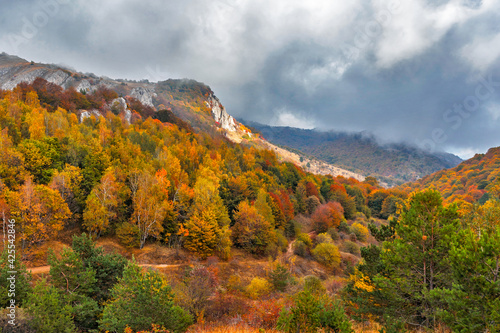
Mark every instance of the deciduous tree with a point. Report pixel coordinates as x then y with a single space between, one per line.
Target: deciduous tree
251 231
41 211
327 216
150 202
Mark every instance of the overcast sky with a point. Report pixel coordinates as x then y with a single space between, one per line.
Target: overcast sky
422 71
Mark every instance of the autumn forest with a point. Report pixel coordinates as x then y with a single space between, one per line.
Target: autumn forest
156 222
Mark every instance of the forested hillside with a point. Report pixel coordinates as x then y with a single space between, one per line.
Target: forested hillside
141 180
473 180
392 164
202 233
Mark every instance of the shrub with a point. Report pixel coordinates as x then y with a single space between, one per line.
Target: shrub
292 228
300 248
313 285
274 249
323 238
194 293
366 211
360 216
327 254
353 237
264 314
281 240
227 305
333 234
280 277
129 234
305 238
234 282
352 248
334 284
258 287
311 313
344 227
360 231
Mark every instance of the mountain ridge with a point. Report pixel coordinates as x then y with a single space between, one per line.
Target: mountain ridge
192 101
393 164
473 180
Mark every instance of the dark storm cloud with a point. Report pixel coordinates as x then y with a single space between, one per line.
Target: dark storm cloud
397 69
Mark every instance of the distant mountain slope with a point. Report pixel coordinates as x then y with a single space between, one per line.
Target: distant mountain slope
193 102
392 164
472 180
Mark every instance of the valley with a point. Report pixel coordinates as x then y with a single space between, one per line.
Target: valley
146 207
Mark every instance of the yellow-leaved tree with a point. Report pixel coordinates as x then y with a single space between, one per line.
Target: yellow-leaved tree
12 170
207 225
150 202
40 212
67 183
102 204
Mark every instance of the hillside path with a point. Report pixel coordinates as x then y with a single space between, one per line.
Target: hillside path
46 269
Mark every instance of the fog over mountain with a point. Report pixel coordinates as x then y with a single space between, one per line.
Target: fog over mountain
424 72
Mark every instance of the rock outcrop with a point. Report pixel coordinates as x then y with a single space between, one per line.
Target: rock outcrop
86 114
84 85
220 115
144 95
119 105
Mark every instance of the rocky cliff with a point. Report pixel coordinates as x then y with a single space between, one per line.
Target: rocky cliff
192 101
220 115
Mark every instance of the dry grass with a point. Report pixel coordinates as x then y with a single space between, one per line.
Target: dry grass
158 254
367 327
216 328
37 256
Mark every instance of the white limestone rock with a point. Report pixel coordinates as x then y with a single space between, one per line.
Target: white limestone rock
220 115
144 95
86 114
85 85
58 77
120 104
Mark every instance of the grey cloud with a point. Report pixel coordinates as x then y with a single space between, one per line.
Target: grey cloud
266 58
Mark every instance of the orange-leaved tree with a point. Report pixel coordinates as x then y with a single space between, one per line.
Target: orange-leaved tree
208 221
252 231
40 212
327 216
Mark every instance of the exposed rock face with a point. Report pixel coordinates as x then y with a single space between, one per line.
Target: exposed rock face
58 77
144 95
220 115
120 105
14 70
85 114
85 85
127 115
